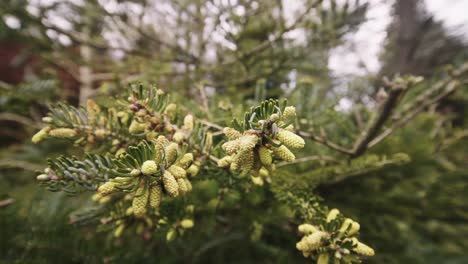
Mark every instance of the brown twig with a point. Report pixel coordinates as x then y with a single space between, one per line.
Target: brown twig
19 119
451 87
325 142
309 158
6 202
376 124
20 164
204 99
209 124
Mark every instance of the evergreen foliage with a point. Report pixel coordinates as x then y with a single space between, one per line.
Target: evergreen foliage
242 153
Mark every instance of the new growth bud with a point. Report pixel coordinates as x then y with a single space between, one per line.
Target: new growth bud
149 167
186 223
170 184
63 133
41 135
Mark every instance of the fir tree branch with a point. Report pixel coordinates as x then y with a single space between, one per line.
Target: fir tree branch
309 158
445 88
209 124
19 119
20 164
325 142
451 87
6 202
360 145
363 165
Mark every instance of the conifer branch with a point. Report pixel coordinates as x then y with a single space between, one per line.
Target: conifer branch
6 202
442 88
325 142
19 164
357 167
451 87
387 108
309 158
19 119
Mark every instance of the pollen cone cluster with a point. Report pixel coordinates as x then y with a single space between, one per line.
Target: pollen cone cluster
332 242
165 174
185 131
255 152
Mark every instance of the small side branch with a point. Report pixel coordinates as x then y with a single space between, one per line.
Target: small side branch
309 158
451 87
374 126
325 142
20 164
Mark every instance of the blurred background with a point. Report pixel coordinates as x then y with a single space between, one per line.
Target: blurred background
324 56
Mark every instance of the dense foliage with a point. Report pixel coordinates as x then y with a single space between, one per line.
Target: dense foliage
216 137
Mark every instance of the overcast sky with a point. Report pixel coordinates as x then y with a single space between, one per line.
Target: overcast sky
364 46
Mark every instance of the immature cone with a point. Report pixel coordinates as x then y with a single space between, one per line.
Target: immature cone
188 184
158 151
289 112
257 180
178 136
177 171
106 188
171 108
289 139
42 177
264 172
136 128
307 229
186 160
231 133
188 122
247 142
246 160
186 223
118 232
170 184
284 153
289 128
193 170
149 167
323 258
274 117
362 248
349 225
63 132
100 133
231 147
171 152
155 196
40 135
311 242
265 156
140 201
171 235
225 162
332 215
129 211
182 186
